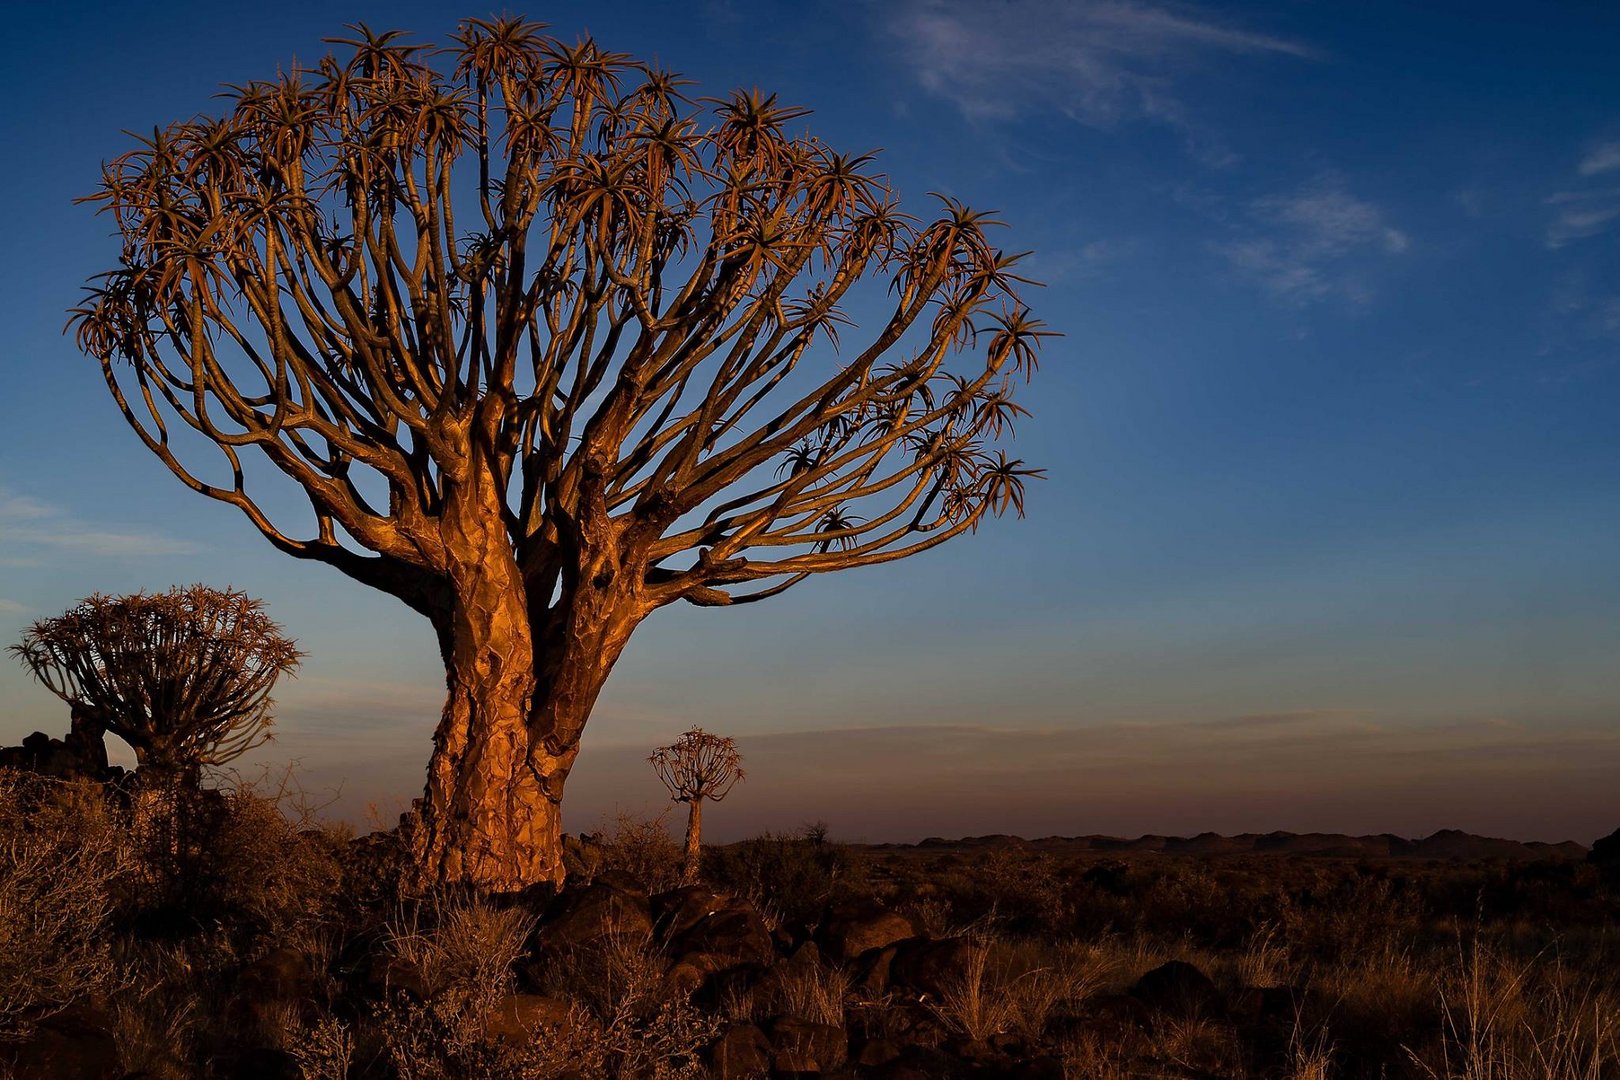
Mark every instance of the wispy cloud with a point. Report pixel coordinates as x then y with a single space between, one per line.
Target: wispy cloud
1602 158
1096 61
12 607
27 522
1301 245
1587 209
1580 215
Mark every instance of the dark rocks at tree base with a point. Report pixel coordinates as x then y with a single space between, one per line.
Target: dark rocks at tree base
80 756
611 906
1179 989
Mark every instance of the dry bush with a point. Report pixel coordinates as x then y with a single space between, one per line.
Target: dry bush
270 862
462 948
624 1015
324 1050
974 1005
1035 981
640 847
793 875
60 859
1265 960
1200 1047
467 950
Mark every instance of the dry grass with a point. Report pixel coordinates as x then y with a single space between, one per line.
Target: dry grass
814 992
1516 1020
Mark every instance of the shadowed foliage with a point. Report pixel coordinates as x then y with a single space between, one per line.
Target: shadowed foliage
549 345
183 676
695 767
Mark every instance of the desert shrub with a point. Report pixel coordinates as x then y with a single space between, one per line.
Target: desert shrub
466 952
323 1050
796 874
640 847
461 949
60 859
624 1022
269 864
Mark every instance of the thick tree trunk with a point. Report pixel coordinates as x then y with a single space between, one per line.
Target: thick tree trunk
518 699
694 841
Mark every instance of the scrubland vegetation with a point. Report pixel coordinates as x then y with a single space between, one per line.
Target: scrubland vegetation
228 934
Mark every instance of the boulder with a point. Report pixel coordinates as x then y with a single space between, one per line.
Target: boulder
921 1063
707 933
1179 989
803 1046
935 968
607 908
851 933
877 1051
742 1053
871 971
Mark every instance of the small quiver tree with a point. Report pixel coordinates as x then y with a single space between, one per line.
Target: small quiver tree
182 676
695 767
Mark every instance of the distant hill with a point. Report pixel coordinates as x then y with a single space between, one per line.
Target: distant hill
1447 844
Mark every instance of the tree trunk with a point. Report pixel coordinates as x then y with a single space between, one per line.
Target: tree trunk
694 841
518 698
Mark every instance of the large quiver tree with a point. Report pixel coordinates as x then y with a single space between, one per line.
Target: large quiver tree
548 347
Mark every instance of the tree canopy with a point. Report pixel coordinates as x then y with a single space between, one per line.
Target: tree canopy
183 676
549 262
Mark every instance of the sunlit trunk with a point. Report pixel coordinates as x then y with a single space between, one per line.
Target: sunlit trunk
518 698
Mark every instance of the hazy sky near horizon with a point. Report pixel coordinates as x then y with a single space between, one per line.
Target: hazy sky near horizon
1329 535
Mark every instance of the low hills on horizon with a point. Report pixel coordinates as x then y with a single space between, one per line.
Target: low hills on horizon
1446 844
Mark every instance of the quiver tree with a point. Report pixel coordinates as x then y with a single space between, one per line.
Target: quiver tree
183 676
548 346
695 767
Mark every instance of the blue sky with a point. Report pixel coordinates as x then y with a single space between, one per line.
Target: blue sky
1328 539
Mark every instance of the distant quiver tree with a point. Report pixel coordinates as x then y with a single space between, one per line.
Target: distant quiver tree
183 676
695 767
549 346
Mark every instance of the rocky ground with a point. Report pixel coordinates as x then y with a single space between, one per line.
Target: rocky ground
289 951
